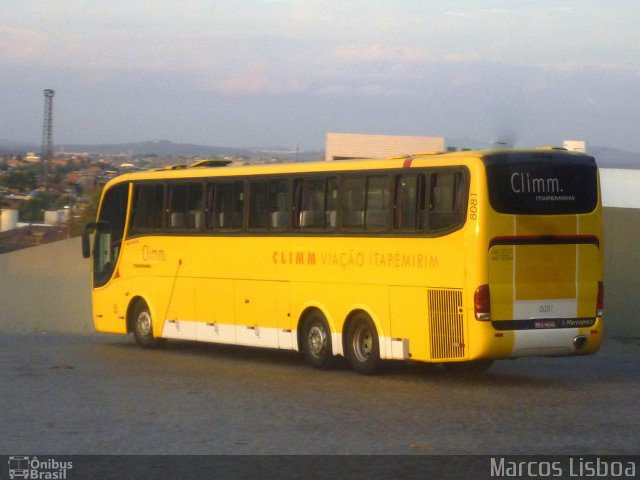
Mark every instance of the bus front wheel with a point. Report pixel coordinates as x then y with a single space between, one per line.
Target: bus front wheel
363 347
316 341
142 326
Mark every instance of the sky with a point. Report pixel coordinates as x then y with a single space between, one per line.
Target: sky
257 73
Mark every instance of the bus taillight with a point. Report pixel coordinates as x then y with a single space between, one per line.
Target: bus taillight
482 303
600 303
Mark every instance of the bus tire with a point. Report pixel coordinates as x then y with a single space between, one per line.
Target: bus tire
363 346
316 341
142 326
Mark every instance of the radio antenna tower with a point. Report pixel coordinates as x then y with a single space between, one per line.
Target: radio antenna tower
47 138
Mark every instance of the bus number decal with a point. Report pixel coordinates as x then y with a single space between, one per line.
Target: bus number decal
473 207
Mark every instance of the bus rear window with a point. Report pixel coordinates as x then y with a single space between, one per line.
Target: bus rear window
545 187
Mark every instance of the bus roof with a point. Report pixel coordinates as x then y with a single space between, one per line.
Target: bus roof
416 160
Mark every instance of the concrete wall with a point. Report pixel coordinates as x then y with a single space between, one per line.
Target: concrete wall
621 270
47 288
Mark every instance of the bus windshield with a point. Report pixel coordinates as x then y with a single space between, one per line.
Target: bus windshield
542 185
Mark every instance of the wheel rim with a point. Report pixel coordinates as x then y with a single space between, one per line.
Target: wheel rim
144 323
362 343
317 340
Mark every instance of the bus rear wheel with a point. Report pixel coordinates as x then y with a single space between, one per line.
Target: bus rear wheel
142 326
316 341
363 347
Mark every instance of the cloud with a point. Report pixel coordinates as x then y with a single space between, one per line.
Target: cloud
20 45
250 80
572 66
256 78
332 90
475 13
375 53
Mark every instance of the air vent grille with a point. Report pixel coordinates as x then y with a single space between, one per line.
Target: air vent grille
446 326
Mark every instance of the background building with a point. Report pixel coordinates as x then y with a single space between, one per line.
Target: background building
343 146
575 145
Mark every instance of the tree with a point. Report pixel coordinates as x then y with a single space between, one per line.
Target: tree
88 214
32 210
22 180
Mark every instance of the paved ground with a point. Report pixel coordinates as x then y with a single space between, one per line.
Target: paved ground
100 394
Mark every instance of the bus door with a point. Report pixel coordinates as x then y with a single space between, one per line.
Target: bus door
105 253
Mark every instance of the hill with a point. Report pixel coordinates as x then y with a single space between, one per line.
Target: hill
165 148
613 158
607 157
161 147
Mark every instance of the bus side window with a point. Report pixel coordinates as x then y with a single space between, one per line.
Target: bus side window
378 203
185 206
225 205
446 200
194 206
352 204
409 206
148 207
269 204
311 209
278 197
258 205
331 204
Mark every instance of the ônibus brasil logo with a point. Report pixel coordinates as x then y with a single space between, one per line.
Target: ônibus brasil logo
40 469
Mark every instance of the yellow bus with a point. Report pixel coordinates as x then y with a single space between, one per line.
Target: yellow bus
456 258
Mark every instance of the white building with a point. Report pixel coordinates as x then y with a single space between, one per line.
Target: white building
8 219
31 158
575 145
342 146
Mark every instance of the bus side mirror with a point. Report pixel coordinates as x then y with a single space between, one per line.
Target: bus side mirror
86 243
90 227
